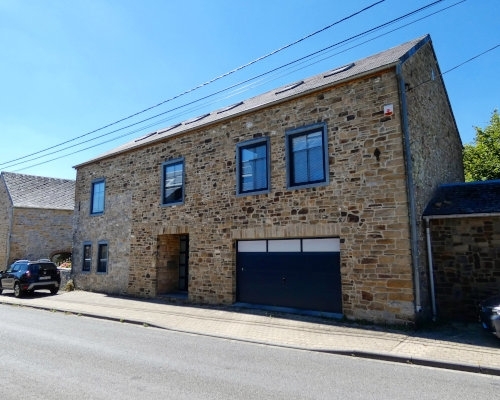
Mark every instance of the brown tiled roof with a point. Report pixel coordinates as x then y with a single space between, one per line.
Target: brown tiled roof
28 191
354 70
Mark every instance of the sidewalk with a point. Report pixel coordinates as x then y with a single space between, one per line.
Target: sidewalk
460 347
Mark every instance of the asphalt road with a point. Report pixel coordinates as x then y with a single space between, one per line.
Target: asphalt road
51 355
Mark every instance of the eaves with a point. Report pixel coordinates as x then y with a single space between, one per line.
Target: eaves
187 130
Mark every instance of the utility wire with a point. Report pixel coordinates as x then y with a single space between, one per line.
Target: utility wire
454 68
205 83
302 59
129 133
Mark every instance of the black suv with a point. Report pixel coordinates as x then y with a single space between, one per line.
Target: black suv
25 276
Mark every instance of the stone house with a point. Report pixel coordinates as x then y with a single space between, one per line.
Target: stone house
36 216
306 197
463 229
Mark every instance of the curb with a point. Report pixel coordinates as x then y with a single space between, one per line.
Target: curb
417 361
478 369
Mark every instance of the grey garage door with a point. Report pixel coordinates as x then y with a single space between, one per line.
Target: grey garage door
295 273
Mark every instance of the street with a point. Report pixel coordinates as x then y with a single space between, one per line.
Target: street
52 355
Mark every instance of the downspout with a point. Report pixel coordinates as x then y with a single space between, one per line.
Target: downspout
410 187
431 267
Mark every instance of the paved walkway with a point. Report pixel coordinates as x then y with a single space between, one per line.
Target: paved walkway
459 346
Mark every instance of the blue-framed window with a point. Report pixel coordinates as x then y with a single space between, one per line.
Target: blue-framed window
253 167
307 156
97 200
102 257
87 257
173 182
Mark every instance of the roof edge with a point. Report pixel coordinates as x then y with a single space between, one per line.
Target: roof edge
456 216
248 111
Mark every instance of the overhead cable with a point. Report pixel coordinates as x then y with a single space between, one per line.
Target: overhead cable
205 83
301 59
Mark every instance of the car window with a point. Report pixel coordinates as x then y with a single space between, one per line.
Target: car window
34 268
14 268
48 267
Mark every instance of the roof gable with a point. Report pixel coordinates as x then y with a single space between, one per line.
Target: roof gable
347 72
462 199
28 191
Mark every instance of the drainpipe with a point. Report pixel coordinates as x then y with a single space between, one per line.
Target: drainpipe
410 188
431 268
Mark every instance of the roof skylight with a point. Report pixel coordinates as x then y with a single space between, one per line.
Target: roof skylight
289 87
168 129
190 121
229 107
338 70
146 136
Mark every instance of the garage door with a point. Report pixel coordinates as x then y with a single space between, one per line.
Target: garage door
296 273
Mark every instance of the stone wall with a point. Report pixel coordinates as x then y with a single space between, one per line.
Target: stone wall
39 233
435 144
466 253
5 224
113 227
365 203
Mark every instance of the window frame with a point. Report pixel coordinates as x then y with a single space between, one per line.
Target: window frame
95 182
253 143
291 134
100 259
84 260
164 167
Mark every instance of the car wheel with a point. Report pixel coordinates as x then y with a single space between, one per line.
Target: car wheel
54 290
17 290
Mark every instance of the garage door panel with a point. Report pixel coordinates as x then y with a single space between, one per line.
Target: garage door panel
306 280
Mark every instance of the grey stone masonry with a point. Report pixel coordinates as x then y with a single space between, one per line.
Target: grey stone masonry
36 217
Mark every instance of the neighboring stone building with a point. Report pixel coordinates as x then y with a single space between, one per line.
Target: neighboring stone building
464 232
307 197
35 217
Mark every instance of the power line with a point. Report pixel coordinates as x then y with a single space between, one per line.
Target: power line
289 64
203 84
455 67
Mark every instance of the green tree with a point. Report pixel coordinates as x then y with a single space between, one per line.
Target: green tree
482 158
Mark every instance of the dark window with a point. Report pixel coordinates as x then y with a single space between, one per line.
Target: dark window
173 182
87 257
307 156
102 256
97 206
252 159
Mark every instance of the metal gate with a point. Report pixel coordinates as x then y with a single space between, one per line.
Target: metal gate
295 273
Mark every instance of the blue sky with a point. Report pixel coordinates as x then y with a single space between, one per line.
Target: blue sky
69 68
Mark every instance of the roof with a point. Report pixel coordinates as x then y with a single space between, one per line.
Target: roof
465 199
347 72
28 191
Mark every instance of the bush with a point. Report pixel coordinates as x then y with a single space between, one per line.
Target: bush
70 286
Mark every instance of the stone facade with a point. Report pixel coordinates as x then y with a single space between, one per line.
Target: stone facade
365 203
33 224
5 225
435 149
466 253
38 233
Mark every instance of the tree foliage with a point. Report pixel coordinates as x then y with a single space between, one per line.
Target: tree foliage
482 158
